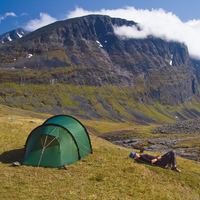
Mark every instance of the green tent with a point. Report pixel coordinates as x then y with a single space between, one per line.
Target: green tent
61 139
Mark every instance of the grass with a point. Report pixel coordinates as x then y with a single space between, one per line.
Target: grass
106 174
195 142
113 104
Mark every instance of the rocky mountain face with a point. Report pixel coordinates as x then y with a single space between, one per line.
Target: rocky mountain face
13 35
86 51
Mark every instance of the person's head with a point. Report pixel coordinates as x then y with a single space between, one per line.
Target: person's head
134 155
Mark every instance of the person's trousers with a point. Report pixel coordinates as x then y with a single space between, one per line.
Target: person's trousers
168 158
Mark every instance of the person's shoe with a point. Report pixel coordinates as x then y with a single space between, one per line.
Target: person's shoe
175 169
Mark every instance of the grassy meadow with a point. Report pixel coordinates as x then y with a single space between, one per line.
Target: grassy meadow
108 173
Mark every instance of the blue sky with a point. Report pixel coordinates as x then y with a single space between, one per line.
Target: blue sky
177 20
18 13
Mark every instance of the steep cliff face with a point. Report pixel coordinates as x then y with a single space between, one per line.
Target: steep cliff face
90 53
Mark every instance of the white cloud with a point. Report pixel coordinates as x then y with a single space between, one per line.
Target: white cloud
1 18
129 32
24 14
80 12
8 14
153 22
44 20
12 14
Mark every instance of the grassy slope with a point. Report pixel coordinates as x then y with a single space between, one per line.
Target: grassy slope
107 174
111 103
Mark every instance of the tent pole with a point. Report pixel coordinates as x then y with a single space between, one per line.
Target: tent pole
41 155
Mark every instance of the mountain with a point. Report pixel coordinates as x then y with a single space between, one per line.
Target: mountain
85 51
13 35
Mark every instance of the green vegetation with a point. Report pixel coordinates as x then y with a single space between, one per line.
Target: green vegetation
188 144
106 174
112 104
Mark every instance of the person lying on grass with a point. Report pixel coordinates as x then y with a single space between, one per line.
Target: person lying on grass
167 159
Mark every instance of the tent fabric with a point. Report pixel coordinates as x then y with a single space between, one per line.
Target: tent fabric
65 141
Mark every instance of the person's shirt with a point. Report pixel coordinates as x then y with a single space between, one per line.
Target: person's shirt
146 158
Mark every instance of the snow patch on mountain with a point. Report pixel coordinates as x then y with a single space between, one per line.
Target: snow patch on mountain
13 35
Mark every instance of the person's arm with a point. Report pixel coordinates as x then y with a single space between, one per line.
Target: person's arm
156 159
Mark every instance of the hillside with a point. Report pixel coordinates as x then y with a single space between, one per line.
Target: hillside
122 90
106 174
113 104
85 51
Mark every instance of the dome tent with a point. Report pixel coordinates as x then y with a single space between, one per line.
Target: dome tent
61 139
